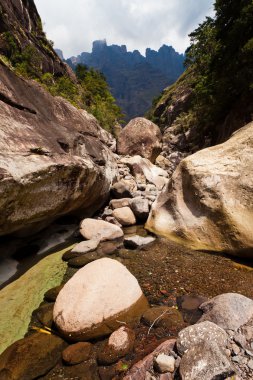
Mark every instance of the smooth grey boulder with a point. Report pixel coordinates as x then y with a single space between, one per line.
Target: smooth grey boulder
205 361
229 311
202 332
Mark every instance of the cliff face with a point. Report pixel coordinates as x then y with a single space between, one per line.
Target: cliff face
134 79
20 28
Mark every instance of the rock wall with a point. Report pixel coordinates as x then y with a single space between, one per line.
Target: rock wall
208 201
54 158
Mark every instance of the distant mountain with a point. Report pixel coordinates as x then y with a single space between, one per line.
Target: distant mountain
134 80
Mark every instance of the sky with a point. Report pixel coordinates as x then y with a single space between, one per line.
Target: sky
74 24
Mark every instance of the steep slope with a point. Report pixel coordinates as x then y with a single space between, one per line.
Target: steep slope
134 79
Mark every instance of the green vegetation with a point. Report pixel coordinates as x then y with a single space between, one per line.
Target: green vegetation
90 91
220 69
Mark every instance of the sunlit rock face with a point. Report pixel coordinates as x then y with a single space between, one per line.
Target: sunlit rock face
54 158
208 203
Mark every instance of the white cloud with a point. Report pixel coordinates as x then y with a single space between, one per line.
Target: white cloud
74 24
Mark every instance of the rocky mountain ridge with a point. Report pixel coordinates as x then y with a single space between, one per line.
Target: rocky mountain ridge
134 79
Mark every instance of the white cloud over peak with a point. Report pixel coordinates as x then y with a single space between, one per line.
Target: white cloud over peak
74 24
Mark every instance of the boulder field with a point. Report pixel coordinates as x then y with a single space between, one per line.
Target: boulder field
54 160
207 203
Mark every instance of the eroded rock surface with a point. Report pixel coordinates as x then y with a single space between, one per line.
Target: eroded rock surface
54 157
208 202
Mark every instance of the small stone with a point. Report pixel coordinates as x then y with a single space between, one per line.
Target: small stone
82 260
236 349
121 190
92 229
228 352
80 249
250 364
77 353
140 208
148 376
124 216
111 219
118 203
52 294
240 339
165 363
137 241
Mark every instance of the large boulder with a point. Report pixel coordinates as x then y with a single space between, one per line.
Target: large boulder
99 230
54 158
97 299
208 203
140 137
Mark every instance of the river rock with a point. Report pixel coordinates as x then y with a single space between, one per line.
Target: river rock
165 363
118 203
139 370
53 155
152 173
201 332
208 203
31 357
140 208
137 241
120 343
140 137
121 190
229 311
77 353
81 249
124 216
51 294
96 299
100 230
207 361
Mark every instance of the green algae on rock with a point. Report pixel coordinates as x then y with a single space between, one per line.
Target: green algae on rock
19 299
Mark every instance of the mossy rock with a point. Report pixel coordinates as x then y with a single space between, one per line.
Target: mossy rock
19 299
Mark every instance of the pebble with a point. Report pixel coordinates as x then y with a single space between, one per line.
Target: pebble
250 364
165 363
236 349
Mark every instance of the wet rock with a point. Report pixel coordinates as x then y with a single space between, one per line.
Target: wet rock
45 315
136 241
120 343
140 208
165 363
41 350
84 371
108 247
163 316
77 353
119 203
100 230
96 299
124 216
139 370
229 311
80 249
201 332
81 261
52 294
140 137
121 190
205 360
